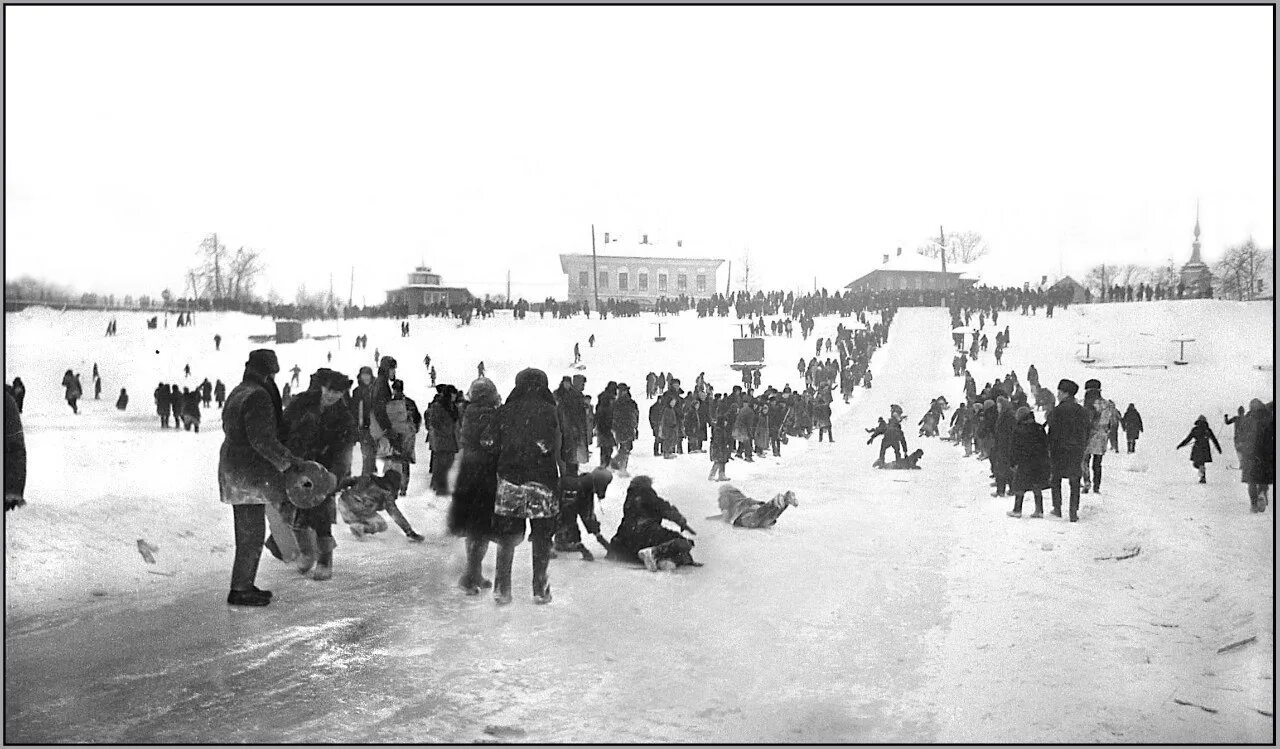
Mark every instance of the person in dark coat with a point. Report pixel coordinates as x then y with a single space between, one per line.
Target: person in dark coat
362 411
528 440
1262 469
577 501
626 427
442 436
893 439
471 507
73 391
123 401
176 405
604 423
191 410
1028 461
320 428
381 430
15 455
206 393
219 393
573 425
641 536
19 392
251 467
162 405
1201 435
655 425
1068 432
1002 434
822 416
1132 423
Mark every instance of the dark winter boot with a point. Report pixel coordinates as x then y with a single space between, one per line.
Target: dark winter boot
502 572
324 563
306 558
473 580
541 577
248 598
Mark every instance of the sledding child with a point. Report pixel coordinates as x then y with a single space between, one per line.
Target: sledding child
577 500
641 536
738 509
1201 435
902 464
361 498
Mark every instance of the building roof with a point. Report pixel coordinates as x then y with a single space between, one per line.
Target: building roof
655 259
910 262
1065 281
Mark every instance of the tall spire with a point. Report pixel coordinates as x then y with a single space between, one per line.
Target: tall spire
1195 245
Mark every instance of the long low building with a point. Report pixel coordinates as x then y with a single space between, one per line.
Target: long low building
636 278
911 272
425 290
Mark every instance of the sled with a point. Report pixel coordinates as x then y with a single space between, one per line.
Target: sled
282 533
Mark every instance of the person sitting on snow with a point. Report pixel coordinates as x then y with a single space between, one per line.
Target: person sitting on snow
362 498
742 511
903 464
641 536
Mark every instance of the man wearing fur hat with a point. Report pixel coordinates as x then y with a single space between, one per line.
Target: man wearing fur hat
1068 428
442 436
362 411
320 428
251 464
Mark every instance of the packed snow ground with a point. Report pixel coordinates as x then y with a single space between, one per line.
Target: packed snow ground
889 606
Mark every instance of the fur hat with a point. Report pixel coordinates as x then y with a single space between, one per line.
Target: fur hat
1068 387
600 479
261 360
483 392
1022 413
332 380
1092 384
363 371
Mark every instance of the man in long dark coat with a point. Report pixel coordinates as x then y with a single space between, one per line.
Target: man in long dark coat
1068 433
251 465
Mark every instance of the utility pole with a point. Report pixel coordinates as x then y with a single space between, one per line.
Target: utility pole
942 240
508 286
351 292
728 278
595 275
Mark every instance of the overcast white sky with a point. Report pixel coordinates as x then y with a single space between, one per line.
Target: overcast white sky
488 139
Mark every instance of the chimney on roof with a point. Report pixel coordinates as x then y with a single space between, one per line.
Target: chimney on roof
886 257
899 252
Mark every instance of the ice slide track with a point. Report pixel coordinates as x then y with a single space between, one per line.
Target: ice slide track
819 630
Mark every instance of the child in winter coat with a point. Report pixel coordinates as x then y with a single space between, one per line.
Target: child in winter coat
1201 435
1132 423
361 498
123 401
641 535
721 448
577 500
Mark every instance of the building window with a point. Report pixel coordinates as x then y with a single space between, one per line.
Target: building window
622 281
584 279
662 282
604 279
702 282
644 281
682 282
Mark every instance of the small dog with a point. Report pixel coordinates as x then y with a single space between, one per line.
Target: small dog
738 509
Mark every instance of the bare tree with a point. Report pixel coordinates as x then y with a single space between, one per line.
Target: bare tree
1241 268
963 247
1100 278
213 266
244 271
1130 274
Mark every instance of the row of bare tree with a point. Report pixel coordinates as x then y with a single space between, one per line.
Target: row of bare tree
1240 274
221 275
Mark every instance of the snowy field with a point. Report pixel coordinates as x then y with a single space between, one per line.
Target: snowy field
888 606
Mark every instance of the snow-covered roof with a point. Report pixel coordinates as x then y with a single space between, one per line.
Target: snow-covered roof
910 262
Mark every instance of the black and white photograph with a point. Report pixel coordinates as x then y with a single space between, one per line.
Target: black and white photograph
413 374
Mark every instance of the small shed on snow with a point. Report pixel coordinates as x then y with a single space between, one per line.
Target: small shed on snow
288 331
1068 286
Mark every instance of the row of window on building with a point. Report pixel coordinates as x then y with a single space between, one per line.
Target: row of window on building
642 281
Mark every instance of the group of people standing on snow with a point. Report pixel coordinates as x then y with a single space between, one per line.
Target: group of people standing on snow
183 405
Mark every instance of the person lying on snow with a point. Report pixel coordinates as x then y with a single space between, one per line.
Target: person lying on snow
902 464
738 509
362 498
641 537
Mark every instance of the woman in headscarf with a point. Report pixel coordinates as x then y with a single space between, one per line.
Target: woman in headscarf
527 438
471 511
1201 435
